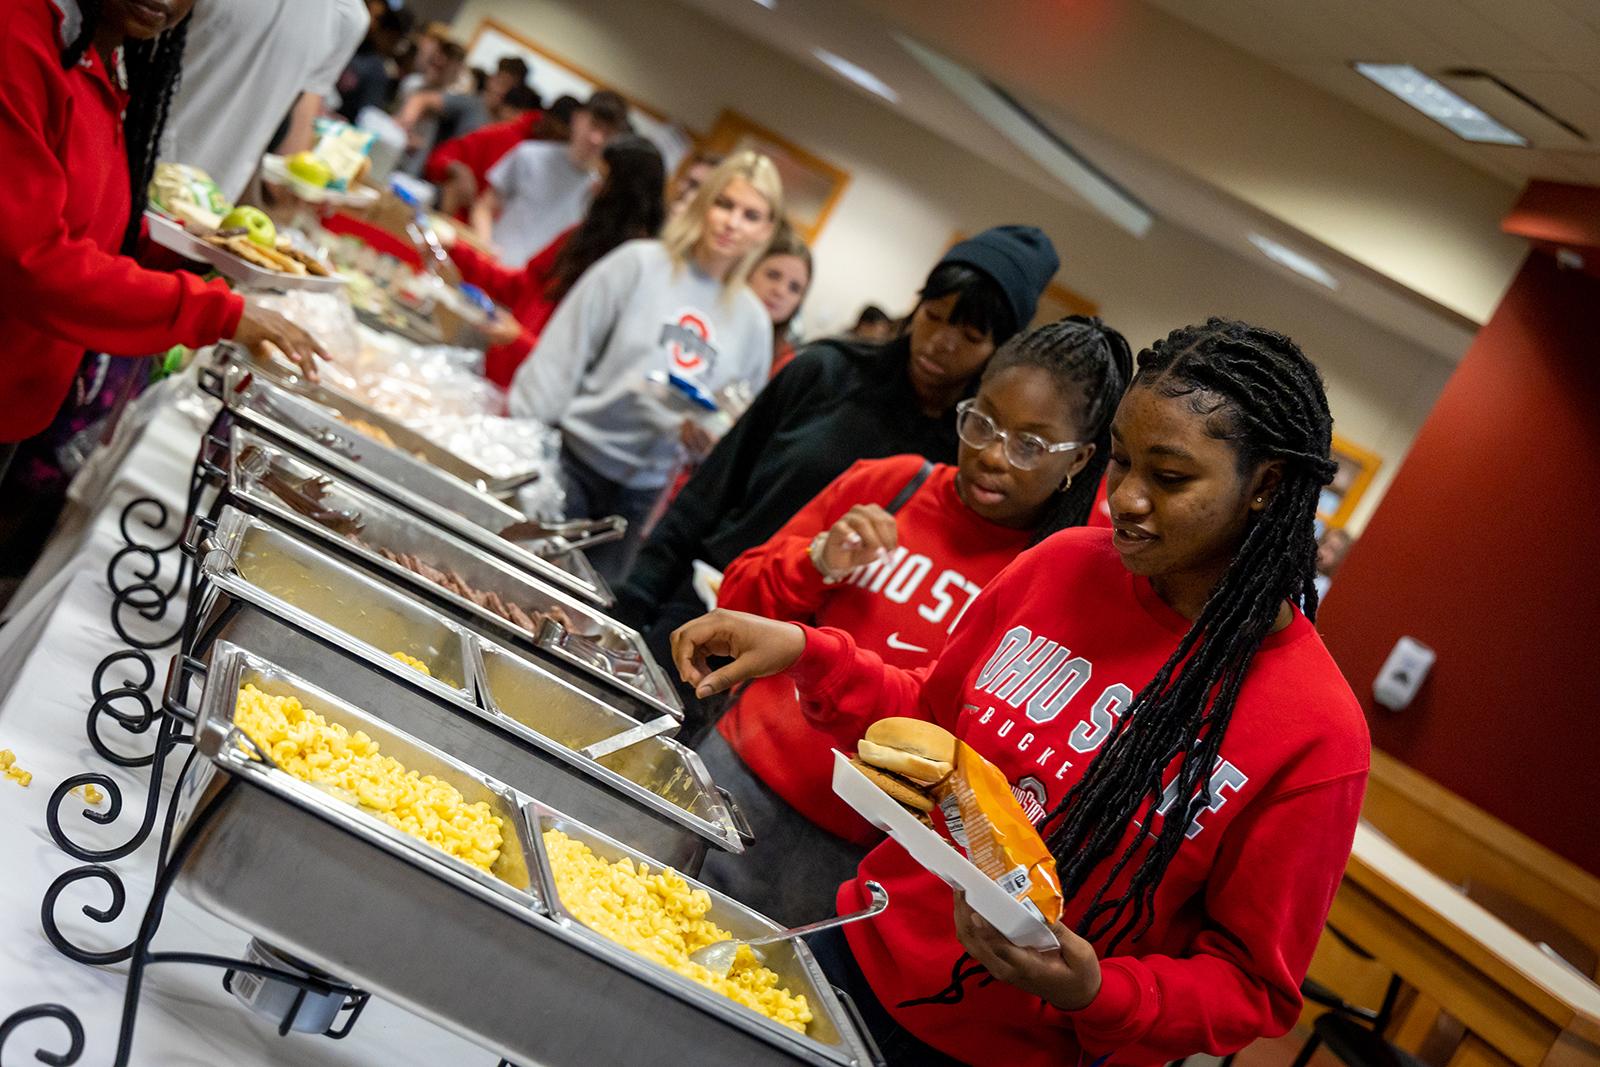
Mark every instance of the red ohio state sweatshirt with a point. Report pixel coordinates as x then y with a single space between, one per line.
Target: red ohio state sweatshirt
1047 658
903 608
64 206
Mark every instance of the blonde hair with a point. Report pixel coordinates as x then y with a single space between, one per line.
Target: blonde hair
684 232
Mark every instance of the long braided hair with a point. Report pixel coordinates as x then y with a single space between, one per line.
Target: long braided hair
153 69
1088 358
1256 389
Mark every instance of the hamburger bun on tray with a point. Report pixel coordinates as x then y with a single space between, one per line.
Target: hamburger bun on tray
896 787
921 751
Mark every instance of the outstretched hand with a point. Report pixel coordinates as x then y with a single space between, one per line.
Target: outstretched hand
758 647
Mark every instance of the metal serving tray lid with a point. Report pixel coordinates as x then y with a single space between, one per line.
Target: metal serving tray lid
512 882
792 960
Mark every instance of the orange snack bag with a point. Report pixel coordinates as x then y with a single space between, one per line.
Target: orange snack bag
983 817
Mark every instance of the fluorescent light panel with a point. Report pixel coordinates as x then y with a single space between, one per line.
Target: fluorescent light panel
860 75
1032 137
770 5
1429 96
1285 256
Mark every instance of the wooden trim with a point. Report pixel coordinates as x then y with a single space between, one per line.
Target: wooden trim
562 61
731 126
1459 841
1369 462
1518 1030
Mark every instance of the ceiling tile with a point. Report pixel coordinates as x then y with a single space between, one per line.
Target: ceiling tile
1546 28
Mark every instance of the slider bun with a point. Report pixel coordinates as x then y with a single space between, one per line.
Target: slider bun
916 736
897 790
918 769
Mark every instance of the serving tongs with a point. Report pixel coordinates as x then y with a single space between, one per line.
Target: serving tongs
621 661
571 535
305 495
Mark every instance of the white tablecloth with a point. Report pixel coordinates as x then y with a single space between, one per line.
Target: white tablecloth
47 654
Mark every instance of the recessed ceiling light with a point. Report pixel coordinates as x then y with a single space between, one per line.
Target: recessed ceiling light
860 75
1285 256
1429 96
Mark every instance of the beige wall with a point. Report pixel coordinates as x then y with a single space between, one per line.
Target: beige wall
910 190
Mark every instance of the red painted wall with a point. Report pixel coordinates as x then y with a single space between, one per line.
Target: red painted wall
1487 548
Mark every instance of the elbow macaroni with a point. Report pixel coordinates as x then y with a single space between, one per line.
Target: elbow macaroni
413 662
658 916
8 766
350 766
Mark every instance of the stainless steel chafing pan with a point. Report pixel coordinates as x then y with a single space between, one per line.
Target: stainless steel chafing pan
477 954
464 504
332 624
378 535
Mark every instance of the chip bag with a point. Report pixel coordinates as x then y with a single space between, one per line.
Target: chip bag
981 815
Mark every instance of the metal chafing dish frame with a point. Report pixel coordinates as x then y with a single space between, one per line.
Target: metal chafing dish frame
273 855
468 508
469 720
224 454
585 653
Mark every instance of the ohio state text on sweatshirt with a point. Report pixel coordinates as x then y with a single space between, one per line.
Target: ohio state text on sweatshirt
1047 658
903 608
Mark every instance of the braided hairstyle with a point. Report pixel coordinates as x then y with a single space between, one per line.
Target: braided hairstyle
153 68
1257 390
1086 358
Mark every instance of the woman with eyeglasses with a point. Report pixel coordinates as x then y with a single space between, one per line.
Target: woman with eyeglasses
892 552
837 402
1168 718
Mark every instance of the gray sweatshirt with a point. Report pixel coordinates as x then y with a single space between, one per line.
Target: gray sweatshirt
631 313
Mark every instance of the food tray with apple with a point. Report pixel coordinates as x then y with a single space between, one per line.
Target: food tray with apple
240 260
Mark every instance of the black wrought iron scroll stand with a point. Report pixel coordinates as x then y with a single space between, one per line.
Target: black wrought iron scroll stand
141 955
147 596
131 707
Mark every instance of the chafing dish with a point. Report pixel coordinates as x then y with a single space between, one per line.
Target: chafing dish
464 503
520 721
478 954
299 489
374 534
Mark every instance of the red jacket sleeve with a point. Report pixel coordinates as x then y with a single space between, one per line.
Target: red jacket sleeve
503 284
1266 900
777 579
72 288
840 682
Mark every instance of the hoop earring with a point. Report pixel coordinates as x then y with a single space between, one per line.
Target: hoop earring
1066 484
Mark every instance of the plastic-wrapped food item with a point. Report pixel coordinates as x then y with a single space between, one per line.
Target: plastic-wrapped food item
189 194
505 448
344 150
326 316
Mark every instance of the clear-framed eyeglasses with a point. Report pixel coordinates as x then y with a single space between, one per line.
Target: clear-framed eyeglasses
1025 451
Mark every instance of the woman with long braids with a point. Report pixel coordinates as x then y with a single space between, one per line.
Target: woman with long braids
84 90
1164 709
893 551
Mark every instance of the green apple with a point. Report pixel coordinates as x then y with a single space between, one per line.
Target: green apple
257 226
309 169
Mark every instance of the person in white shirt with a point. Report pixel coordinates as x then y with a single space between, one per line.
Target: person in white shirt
541 188
247 64
678 305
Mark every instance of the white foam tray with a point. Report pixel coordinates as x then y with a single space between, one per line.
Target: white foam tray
935 853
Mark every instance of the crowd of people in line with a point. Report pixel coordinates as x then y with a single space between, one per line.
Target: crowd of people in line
1099 569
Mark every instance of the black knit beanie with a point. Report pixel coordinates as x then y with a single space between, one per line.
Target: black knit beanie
1020 259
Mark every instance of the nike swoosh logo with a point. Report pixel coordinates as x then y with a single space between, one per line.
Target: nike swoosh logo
893 641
